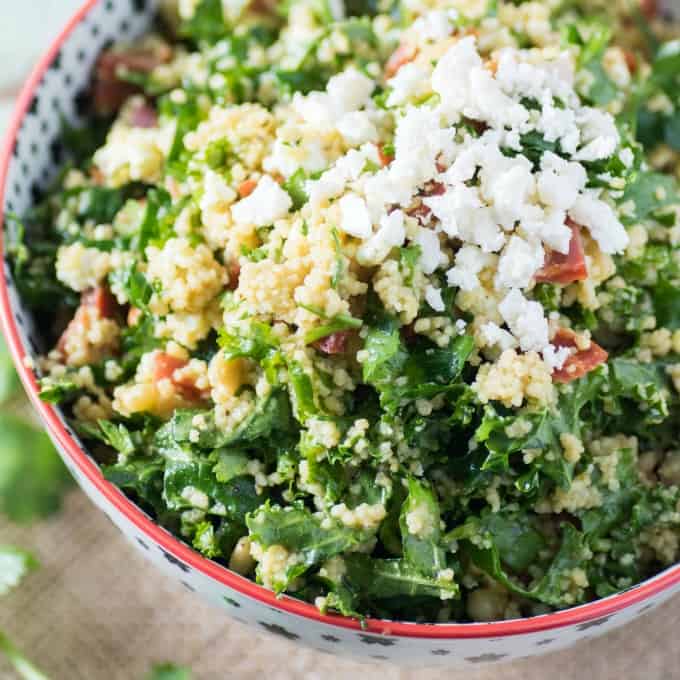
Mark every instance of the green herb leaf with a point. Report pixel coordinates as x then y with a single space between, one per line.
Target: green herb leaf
421 512
168 671
14 565
300 532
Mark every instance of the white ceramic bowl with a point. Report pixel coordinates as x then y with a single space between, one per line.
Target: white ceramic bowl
30 158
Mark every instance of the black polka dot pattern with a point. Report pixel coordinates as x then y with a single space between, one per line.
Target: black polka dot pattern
376 640
595 623
176 562
279 630
485 658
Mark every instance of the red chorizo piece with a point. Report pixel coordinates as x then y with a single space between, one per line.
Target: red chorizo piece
565 268
579 363
335 343
165 367
401 56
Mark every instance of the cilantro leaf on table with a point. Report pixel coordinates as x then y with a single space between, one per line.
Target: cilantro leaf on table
14 565
169 671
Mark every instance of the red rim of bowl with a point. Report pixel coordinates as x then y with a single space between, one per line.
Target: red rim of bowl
131 512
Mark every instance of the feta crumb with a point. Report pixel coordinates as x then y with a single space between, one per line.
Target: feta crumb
518 263
493 334
555 357
355 219
470 260
391 234
526 320
601 221
433 297
430 250
268 203
560 181
411 81
357 128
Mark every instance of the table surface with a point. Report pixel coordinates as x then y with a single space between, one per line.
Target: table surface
96 611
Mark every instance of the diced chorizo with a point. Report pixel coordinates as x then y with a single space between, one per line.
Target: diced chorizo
234 269
166 367
565 268
421 211
102 300
402 55
93 333
335 343
247 187
385 158
580 362
134 316
143 115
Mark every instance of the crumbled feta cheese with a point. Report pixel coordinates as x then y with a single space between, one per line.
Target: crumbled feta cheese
466 87
350 90
287 157
551 227
355 219
493 334
526 320
346 92
470 260
435 25
433 297
601 221
463 216
599 135
412 80
518 263
627 157
560 181
268 203
357 128
555 357
430 250
391 234
507 184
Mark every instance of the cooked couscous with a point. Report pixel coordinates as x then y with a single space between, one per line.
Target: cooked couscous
378 303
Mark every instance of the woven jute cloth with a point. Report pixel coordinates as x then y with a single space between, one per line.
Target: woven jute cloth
95 610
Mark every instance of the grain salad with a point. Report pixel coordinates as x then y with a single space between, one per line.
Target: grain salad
378 302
